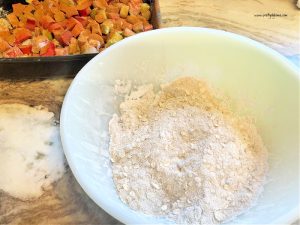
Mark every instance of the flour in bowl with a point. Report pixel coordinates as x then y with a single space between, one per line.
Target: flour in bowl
182 154
31 156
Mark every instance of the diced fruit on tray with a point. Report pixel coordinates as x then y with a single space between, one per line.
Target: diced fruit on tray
68 27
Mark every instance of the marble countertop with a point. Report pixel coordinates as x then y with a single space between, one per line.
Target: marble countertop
272 22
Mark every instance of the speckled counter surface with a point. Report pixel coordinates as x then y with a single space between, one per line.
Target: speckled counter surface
66 202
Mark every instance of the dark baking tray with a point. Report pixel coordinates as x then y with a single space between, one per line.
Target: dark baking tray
56 66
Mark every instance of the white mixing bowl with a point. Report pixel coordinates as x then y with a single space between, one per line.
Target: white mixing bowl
254 76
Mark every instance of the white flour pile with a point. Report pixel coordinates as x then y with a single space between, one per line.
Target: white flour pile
31 156
180 153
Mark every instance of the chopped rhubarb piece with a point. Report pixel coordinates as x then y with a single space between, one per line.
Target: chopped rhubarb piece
69 10
66 37
59 16
83 37
148 27
21 24
30 24
12 53
127 25
112 8
53 9
113 16
13 20
96 28
44 47
83 5
127 32
26 49
85 12
38 14
96 37
82 20
63 24
102 4
100 16
4 34
18 8
46 21
29 9
71 22
132 19
57 36
29 16
39 44
54 26
50 50
74 47
11 39
3 45
77 30
22 34
138 27
134 9
61 51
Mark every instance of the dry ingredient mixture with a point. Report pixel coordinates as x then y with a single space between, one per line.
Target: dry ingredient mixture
182 154
31 156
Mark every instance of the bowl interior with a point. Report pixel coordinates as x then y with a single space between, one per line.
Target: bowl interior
260 82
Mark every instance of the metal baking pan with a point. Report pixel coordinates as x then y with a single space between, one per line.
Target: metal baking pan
56 66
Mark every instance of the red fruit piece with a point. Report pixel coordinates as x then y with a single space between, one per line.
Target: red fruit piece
30 24
85 12
148 27
113 16
66 37
12 53
46 21
3 45
22 34
61 51
50 51
82 20
54 26
71 22
77 30
26 49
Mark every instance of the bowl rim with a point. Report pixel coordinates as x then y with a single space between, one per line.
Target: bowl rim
287 218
